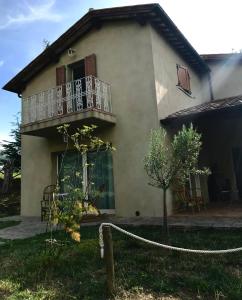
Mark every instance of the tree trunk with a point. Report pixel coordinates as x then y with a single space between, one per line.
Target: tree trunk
8 177
165 223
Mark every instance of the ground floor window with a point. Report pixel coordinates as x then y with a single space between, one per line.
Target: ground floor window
75 166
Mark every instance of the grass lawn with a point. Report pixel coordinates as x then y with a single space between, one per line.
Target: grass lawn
4 224
29 270
10 204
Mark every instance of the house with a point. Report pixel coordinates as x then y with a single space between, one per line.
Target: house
219 121
127 70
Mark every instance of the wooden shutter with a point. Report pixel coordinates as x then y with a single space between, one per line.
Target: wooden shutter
90 65
183 78
91 70
60 80
60 75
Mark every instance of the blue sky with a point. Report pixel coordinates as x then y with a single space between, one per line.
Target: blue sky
211 27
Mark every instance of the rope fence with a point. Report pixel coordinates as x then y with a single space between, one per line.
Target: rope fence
197 251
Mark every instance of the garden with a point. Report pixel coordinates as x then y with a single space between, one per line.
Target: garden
66 263
30 269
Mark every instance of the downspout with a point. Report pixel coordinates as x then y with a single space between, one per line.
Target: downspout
210 86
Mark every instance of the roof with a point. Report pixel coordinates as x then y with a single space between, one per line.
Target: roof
216 106
222 57
152 13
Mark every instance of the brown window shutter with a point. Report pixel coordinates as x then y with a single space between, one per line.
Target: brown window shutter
183 78
90 65
188 81
60 80
91 70
60 75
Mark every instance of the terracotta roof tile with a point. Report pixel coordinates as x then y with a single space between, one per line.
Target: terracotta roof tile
212 106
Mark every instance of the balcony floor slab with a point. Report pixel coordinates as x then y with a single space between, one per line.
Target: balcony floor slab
47 127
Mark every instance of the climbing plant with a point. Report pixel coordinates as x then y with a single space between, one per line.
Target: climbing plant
69 210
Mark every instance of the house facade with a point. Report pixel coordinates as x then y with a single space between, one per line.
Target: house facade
126 70
220 123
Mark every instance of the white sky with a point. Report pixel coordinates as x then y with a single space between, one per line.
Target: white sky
211 26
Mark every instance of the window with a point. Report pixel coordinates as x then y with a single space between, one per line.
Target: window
101 175
183 79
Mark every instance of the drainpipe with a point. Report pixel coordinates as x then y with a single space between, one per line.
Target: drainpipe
210 86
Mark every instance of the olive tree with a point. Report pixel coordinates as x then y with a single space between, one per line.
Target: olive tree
169 162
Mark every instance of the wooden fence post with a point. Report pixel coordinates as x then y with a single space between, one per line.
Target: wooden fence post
108 256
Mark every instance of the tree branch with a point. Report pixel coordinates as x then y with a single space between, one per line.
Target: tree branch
16 175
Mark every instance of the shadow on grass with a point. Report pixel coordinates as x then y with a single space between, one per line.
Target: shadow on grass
30 270
5 224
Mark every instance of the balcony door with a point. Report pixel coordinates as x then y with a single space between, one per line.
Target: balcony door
78 70
78 78
73 172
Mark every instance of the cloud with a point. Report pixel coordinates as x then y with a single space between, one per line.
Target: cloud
35 13
5 137
1 63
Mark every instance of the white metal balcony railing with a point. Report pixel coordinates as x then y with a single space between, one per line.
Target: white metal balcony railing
74 96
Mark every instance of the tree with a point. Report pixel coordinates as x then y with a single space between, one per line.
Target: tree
170 163
10 158
68 212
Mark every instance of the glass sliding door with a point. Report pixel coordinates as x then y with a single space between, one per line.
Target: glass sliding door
101 175
94 167
70 171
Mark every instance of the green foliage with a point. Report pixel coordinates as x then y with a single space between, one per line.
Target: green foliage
84 139
11 150
158 161
10 158
168 163
186 147
69 211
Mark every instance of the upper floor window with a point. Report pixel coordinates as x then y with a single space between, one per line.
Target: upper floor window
183 79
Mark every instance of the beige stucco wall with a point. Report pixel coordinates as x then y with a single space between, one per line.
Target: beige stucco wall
141 68
124 59
226 78
36 173
170 98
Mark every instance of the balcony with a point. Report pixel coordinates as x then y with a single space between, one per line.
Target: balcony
83 101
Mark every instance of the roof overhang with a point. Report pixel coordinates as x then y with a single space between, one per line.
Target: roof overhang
223 57
152 13
221 107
